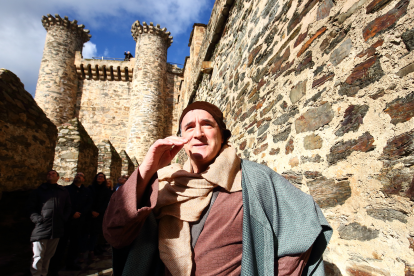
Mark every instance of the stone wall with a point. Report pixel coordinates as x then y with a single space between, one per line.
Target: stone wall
172 91
75 152
128 166
109 161
104 110
322 92
27 137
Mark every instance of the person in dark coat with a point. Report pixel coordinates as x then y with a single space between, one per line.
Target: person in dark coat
49 207
101 196
81 200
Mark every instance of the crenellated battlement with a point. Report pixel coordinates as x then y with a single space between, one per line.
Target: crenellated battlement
111 70
49 21
138 29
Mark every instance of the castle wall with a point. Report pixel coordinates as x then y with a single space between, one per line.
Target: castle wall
128 166
57 83
109 161
104 110
27 137
322 92
172 86
75 152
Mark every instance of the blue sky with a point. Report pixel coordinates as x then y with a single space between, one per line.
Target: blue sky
22 35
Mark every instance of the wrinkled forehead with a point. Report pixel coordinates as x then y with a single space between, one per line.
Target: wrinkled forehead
196 113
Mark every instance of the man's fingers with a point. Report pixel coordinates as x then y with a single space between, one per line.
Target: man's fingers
175 150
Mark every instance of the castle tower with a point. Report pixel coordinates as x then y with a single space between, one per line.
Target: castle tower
148 96
57 83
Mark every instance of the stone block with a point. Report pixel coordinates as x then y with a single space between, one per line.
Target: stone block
341 52
312 142
365 270
371 50
274 151
324 9
386 21
296 178
305 63
314 118
353 118
328 192
401 109
297 17
387 214
362 75
298 91
285 117
253 55
337 38
356 231
341 150
260 149
315 158
406 70
323 79
408 39
300 39
312 174
309 42
377 5
289 146
283 135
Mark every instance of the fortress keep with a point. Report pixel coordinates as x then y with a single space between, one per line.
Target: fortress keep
129 103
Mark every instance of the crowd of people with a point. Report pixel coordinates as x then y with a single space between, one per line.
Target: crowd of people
68 222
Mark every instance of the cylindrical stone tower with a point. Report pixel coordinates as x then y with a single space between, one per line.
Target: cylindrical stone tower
148 96
58 82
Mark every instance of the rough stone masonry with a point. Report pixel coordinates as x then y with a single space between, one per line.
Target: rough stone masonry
323 93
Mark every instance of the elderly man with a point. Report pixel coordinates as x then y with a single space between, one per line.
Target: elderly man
218 215
49 207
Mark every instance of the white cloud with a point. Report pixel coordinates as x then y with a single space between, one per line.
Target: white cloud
89 50
106 52
22 35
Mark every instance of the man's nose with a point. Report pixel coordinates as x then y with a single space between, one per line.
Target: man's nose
198 131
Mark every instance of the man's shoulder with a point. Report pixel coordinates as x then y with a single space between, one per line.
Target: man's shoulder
251 166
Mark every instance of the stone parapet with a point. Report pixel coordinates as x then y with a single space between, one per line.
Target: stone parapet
135 162
109 161
75 152
27 137
104 70
137 29
174 69
128 166
49 21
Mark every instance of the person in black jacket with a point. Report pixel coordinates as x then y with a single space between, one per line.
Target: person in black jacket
101 196
49 207
81 200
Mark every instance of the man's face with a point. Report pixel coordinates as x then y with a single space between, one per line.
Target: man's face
122 179
204 136
80 178
52 177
